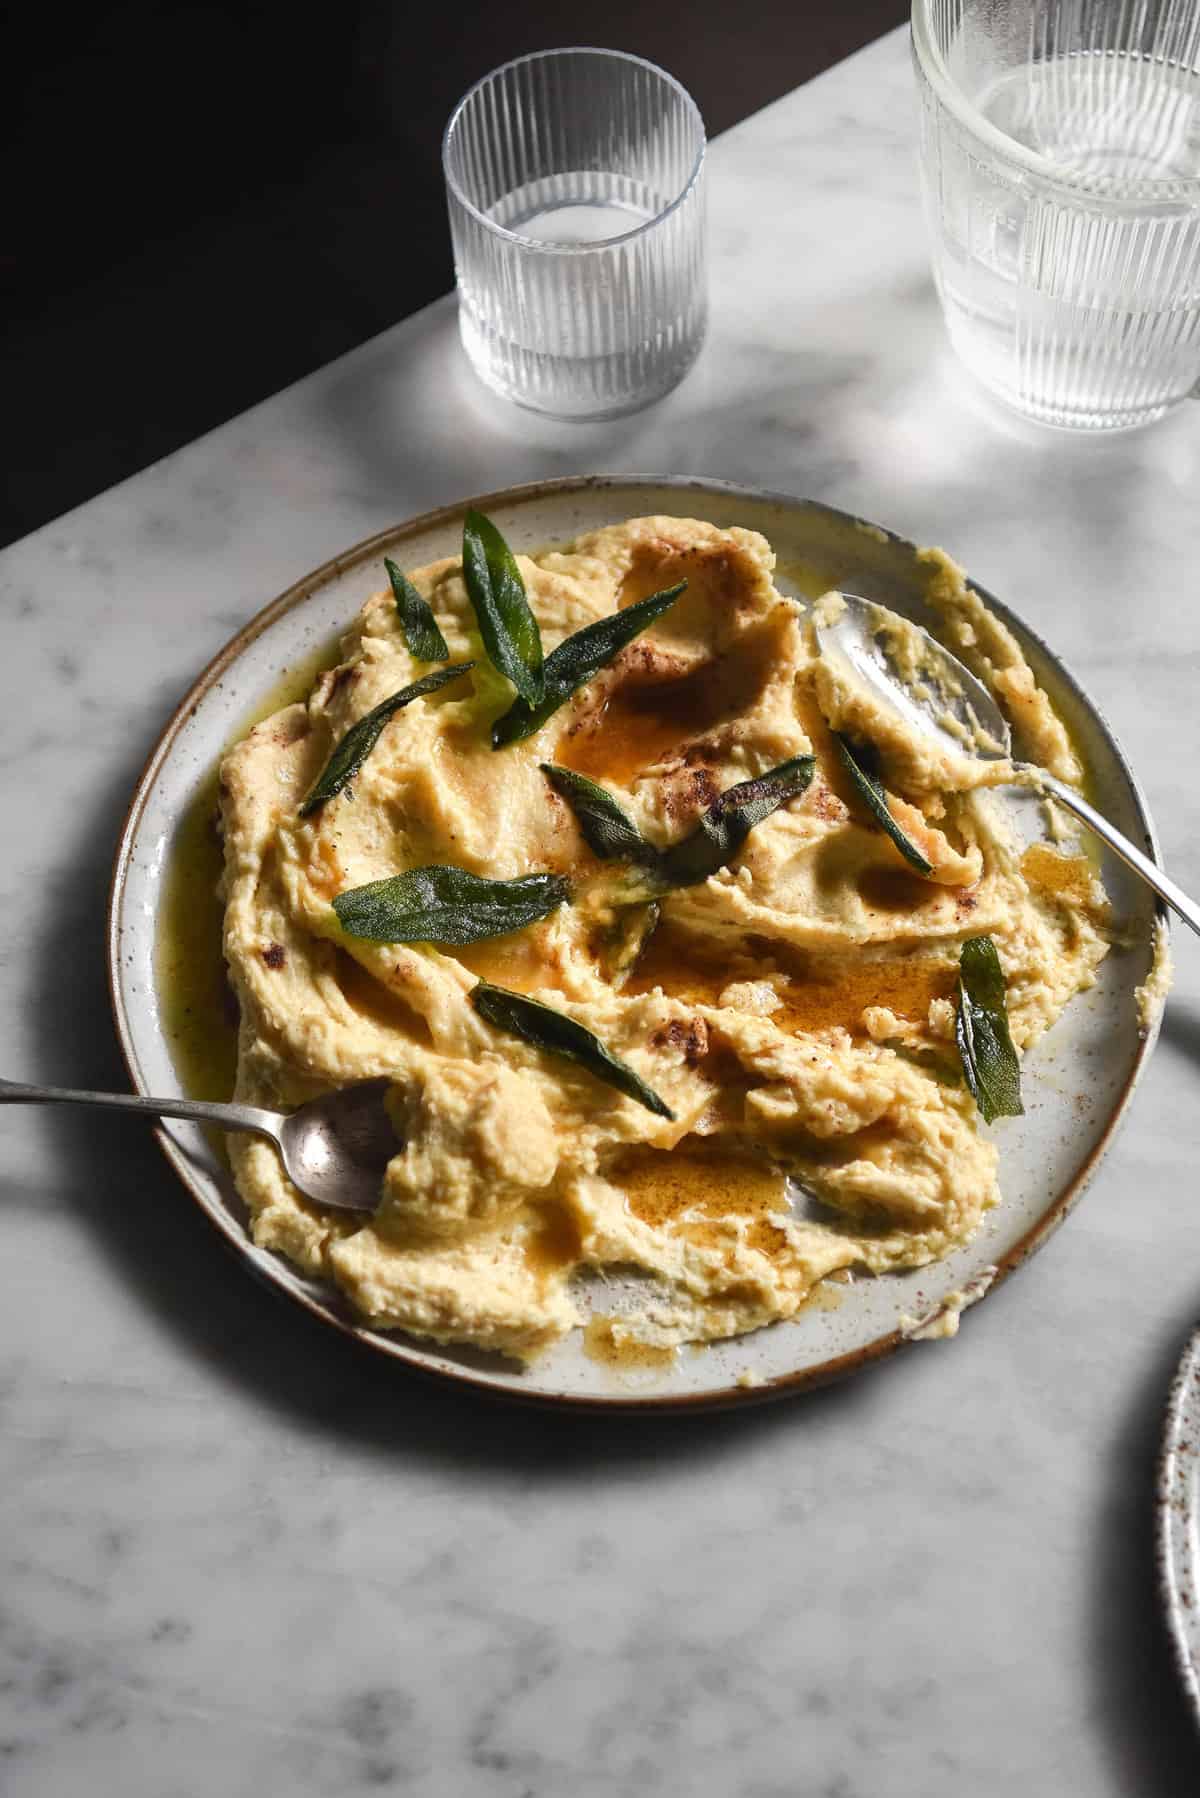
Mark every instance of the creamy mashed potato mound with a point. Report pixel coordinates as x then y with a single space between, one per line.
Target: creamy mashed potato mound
795 1011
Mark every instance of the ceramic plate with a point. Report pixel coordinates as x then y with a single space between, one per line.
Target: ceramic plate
1078 1081
1179 1519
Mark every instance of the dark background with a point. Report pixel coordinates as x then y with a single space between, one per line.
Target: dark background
206 201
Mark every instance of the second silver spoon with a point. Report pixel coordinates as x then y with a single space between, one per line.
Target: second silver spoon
852 647
334 1149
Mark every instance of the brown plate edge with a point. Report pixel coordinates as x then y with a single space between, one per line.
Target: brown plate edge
1171 1501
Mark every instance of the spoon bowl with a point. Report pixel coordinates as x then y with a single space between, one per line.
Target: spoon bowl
334 1150
855 646
945 701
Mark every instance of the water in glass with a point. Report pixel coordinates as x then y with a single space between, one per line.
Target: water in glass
1064 197
576 201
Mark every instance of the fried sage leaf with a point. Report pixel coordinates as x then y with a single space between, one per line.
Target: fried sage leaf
576 660
981 1032
418 626
553 1031
494 586
729 820
631 930
613 835
608 831
862 766
446 905
362 737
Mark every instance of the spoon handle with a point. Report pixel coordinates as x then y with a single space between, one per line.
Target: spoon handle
1141 864
196 1111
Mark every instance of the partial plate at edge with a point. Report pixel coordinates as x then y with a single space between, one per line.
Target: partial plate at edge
1178 1500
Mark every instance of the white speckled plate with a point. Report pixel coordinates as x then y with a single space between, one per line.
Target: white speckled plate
1078 1081
1179 1519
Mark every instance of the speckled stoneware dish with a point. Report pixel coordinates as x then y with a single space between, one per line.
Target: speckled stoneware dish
1179 1519
1078 1082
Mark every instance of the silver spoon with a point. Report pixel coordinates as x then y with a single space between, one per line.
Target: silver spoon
852 647
334 1149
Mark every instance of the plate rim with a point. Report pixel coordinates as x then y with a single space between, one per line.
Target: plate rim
274 1273
1172 1518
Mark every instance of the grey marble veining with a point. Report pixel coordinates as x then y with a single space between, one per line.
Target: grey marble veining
236 1557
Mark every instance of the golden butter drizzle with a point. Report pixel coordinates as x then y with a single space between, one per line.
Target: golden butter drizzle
517 962
639 723
553 1246
697 1194
1069 877
812 997
196 1004
602 1343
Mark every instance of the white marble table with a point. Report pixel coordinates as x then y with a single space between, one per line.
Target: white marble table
237 1558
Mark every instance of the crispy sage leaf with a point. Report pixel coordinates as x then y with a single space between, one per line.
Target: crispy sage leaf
862 766
576 660
729 820
608 831
552 1030
362 737
446 905
988 1056
632 929
716 839
418 626
494 586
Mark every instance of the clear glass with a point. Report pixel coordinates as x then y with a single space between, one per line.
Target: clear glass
575 181
1060 154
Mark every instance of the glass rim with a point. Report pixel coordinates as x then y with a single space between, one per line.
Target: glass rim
1147 192
561 245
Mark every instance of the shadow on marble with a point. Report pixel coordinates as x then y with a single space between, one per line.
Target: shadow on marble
172 1264
908 440
470 440
695 430
1139 1704
748 411
1181 1029
771 433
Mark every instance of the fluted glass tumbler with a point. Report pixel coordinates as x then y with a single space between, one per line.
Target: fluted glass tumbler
1060 153
575 182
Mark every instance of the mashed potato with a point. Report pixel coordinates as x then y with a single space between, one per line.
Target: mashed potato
795 1011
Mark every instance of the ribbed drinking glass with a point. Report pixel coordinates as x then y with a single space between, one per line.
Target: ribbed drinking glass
1060 149
575 182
